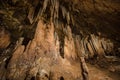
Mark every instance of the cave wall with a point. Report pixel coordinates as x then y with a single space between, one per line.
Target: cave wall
57 40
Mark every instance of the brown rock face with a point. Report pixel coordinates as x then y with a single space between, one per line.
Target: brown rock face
4 38
41 60
59 40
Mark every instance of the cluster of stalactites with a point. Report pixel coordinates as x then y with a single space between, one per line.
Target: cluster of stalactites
61 17
49 10
93 45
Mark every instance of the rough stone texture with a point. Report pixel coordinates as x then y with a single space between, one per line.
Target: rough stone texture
74 39
41 60
4 38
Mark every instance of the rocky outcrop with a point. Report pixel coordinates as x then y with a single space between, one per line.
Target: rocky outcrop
59 40
41 58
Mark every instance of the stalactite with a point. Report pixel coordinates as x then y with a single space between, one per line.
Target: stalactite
70 35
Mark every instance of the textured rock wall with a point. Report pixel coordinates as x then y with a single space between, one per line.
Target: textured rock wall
53 39
41 60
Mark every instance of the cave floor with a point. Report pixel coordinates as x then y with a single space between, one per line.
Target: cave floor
97 73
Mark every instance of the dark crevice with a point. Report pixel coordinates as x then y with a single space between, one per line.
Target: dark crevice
7 62
61 78
26 41
62 36
37 9
33 78
46 76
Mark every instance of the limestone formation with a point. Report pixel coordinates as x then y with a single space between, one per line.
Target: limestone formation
59 39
